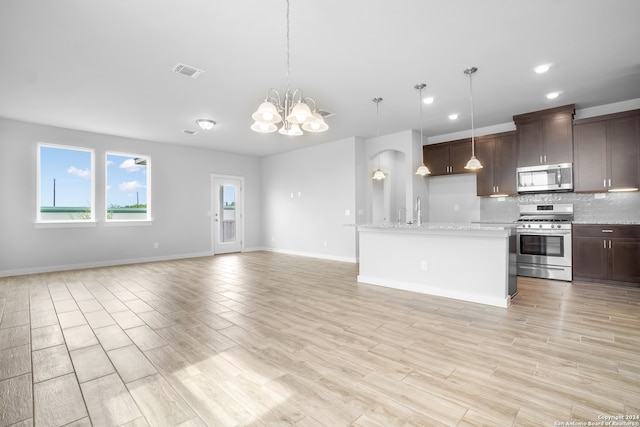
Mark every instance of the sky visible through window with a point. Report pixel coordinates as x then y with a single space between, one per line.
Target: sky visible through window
126 181
65 177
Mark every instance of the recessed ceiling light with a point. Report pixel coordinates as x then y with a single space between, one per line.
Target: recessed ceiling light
542 68
453 116
428 100
553 95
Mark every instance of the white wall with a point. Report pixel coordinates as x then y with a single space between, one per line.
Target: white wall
306 194
180 200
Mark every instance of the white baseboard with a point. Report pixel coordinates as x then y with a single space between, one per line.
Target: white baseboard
108 263
312 255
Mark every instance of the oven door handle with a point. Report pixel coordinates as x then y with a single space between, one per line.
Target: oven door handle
545 232
546 267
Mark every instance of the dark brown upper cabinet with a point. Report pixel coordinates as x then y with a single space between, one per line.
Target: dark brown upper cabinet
497 154
607 152
447 158
545 137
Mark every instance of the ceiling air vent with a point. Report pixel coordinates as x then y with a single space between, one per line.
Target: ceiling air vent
187 70
189 132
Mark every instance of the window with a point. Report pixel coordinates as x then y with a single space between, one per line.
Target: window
128 187
65 184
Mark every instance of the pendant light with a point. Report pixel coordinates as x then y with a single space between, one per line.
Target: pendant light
473 163
378 174
422 169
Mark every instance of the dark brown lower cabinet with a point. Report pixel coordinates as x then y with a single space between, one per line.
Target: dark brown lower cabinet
607 253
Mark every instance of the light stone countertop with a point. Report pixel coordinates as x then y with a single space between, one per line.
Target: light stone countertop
431 226
614 222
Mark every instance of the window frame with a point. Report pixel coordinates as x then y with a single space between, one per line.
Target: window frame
147 220
44 223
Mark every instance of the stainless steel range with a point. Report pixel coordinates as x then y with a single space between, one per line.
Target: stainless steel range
544 241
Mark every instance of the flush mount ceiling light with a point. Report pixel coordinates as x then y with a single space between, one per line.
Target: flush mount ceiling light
473 163
542 68
422 169
291 109
205 124
378 174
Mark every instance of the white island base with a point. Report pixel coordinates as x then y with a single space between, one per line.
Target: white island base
470 262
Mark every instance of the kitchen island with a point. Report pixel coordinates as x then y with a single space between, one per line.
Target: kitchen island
470 262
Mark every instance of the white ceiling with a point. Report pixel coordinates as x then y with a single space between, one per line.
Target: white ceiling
106 65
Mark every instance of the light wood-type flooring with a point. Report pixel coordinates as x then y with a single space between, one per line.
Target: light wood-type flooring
266 339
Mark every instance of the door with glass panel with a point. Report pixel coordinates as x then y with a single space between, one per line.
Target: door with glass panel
227 214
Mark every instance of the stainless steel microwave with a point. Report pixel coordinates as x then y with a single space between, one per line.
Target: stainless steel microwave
545 178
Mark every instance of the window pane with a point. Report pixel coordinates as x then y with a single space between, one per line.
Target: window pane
65 184
228 213
127 187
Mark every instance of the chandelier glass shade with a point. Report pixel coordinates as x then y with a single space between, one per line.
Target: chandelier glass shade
290 113
422 170
473 163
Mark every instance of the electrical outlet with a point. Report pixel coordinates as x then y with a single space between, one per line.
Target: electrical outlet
325 243
456 207
424 265
156 245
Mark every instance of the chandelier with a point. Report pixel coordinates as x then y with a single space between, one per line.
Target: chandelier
290 110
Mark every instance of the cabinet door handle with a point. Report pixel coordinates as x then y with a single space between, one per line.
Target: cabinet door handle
604 244
609 244
545 158
540 159
604 183
609 182
607 231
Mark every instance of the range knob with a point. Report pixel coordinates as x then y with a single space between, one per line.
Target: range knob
540 225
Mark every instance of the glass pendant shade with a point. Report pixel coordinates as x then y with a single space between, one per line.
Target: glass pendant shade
292 130
316 125
423 170
263 127
378 175
301 113
473 164
267 113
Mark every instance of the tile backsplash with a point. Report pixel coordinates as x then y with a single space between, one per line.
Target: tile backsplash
613 207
